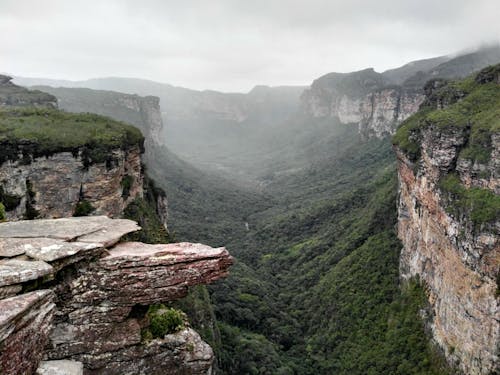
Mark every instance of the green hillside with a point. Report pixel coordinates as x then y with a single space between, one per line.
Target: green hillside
48 131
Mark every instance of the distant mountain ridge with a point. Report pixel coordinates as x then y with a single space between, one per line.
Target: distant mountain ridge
232 132
379 102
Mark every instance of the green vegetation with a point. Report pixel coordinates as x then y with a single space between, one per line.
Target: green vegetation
199 310
83 208
42 132
2 212
126 184
481 205
31 213
315 288
471 106
164 320
144 213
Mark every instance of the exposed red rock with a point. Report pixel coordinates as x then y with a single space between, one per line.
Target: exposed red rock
101 296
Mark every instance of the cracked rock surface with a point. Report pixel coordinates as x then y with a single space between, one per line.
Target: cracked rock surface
91 294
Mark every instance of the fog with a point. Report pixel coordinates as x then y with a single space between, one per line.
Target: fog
233 45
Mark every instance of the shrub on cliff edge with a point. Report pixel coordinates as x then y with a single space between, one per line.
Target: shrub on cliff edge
163 320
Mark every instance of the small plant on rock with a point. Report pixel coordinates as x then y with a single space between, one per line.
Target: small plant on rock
164 320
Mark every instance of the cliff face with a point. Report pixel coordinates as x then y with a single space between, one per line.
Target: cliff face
57 164
56 185
379 102
449 206
92 297
142 112
376 110
364 98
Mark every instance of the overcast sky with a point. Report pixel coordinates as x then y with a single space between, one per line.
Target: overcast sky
232 45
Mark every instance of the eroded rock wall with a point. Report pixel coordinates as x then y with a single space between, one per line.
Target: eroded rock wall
376 113
94 295
52 186
458 260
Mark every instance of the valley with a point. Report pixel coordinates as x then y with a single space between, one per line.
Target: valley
301 186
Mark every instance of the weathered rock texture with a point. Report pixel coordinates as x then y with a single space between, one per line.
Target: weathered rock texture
457 259
25 323
54 185
95 297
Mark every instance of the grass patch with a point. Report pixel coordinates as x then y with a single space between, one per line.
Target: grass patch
36 132
482 205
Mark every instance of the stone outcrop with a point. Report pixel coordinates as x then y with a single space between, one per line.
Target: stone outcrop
364 98
53 186
456 255
92 296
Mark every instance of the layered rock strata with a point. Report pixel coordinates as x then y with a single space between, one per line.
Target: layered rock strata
364 98
449 231
55 185
92 296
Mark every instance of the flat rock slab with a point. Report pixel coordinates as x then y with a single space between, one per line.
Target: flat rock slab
60 367
12 247
95 229
15 271
110 233
166 253
46 249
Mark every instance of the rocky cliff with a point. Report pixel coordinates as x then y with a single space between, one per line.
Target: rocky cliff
379 102
70 294
142 112
365 98
57 164
449 215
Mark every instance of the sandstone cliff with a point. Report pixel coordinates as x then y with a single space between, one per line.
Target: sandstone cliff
68 292
449 215
57 164
142 112
365 98
378 102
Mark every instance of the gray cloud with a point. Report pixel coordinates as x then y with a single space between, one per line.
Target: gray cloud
233 44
